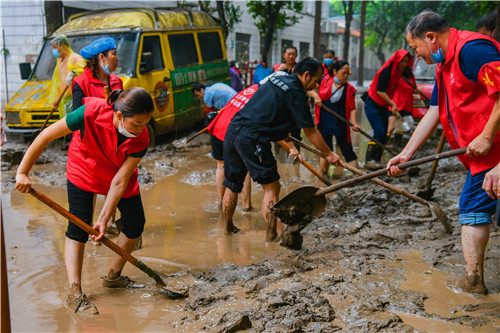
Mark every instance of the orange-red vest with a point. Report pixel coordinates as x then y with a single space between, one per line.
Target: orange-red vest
93 87
95 160
394 79
464 105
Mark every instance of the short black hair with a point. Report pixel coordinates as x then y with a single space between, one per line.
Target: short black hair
424 22
488 20
330 51
289 47
232 63
337 65
308 64
198 86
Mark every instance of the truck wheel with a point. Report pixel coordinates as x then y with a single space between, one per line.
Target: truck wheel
152 135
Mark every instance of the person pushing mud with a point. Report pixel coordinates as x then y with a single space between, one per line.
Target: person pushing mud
279 105
109 143
468 86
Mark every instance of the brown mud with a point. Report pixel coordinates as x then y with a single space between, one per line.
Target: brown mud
382 263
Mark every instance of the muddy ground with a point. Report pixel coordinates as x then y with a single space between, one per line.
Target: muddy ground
382 263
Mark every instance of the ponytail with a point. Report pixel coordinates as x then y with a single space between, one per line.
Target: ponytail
114 96
131 101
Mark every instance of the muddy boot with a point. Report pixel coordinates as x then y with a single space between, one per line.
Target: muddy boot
81 305
373 155
120 282
398 141
473 284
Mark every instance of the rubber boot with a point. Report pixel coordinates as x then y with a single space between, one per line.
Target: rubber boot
398 141
371 156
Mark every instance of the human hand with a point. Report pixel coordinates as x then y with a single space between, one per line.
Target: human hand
355 127
335 159
479 146
392 169
69 78
23 183
294 153
100 226
491 182
317 100
395 110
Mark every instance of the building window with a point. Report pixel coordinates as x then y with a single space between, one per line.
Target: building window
242 48
210 46
304 50
285 43
183 49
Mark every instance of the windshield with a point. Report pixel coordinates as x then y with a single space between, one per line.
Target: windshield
126 49
424 71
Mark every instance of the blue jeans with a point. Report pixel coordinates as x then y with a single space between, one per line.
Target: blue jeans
476 207
378 116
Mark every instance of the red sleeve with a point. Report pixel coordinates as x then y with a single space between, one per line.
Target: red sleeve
489 76
350 101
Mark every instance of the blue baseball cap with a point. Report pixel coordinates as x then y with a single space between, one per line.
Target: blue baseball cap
98 46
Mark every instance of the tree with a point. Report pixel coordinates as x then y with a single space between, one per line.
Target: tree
228 14
361 68
271 16
348 10
53 16
317 30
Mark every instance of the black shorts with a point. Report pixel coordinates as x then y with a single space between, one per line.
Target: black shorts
217 148
344 145
80 204
244 155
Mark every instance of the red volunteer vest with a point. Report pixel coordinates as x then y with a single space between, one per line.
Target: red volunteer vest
95 160
403 97
93 87
393 81
325 92
219 125
466 106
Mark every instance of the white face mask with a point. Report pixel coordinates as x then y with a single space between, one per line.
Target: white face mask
123 131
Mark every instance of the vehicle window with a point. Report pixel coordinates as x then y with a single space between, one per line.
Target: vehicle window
210 46
126 49
424 71
183 50
152 44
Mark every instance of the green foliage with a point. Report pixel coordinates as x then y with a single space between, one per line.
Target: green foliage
337 8
233 14
261 10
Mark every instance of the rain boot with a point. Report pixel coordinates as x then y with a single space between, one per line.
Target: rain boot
371 158
398 141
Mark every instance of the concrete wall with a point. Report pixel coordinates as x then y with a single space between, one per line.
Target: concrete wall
23 25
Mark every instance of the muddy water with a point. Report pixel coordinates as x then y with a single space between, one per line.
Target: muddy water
380 264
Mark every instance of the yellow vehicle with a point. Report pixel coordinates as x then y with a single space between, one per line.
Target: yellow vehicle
164 51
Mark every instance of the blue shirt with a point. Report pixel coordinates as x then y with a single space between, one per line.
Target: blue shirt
217 95
473 55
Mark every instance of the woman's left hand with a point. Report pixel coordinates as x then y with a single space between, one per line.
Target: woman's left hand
355 127
100 226
294 153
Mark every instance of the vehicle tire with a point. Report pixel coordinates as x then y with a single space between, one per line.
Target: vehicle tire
152 135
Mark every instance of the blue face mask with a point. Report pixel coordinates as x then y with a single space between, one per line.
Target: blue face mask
437 57
105 68
337 80
55 53
328 62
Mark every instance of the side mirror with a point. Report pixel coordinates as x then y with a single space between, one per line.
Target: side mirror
146 64
25 69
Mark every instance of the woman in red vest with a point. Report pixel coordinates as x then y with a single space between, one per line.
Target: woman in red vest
109 143
338 95
404 102
102 60
379 99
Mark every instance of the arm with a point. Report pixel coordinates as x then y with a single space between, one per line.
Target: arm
355 126
55 131
491 182
389 101
314 95
78 96
118 186
316 139
424 130
290 147
481 145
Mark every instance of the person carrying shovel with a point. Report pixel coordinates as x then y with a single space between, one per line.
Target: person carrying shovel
110 142
279 105
468 84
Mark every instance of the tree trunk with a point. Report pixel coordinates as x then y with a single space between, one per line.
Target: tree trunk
317 31
222 18
347 32
269 30
361 62
53 16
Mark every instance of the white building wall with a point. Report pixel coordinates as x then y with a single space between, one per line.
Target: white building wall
23 26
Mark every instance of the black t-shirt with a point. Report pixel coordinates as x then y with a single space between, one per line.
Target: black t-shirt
384 78
278 106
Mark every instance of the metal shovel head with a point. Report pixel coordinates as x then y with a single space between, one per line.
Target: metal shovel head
300 206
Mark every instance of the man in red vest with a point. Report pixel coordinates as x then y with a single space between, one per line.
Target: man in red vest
468 82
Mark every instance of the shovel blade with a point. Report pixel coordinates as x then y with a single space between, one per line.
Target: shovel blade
300 206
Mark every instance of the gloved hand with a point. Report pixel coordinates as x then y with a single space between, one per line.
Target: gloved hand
69 78
211 116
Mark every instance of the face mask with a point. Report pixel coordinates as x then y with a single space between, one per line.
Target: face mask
55 53
337 80
123 131
437 57
106 69
328 62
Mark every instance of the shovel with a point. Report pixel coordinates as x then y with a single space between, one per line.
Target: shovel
106 241
428 191
435 209
304 204
392 152
35 134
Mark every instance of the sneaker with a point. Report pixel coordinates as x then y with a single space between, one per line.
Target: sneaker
471 284
121 282
81 305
